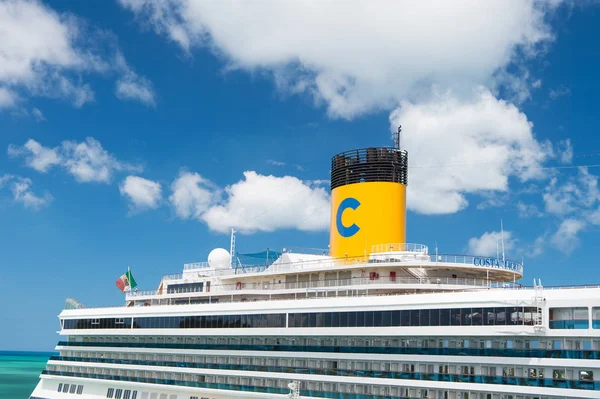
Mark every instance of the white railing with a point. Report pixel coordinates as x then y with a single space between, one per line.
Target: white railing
399 247
352 293
479 261
218 272
430 260
438 283
176 276
71 303
195 265
306 251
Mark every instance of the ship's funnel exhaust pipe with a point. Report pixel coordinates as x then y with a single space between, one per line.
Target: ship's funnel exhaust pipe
368 199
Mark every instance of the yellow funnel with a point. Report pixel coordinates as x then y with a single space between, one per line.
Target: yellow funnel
368 200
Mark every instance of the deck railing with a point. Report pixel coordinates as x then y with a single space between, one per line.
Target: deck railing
339 284
399 247
474 261
195 265
356 293
478 261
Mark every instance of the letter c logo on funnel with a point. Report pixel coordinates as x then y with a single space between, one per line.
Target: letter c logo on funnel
344 231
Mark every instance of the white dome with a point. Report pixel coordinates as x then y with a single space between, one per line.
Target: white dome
219 258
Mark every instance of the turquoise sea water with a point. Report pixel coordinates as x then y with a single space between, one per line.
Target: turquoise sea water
20 372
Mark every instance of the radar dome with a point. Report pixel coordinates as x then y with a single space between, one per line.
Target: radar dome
219 258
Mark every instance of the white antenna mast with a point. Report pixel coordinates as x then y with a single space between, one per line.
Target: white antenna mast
502 235
497 247
232 248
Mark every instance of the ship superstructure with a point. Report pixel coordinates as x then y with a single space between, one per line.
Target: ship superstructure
373 317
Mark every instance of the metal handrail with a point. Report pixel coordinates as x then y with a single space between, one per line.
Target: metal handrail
474 261
478 261
195 265
399 247
332 283
303 298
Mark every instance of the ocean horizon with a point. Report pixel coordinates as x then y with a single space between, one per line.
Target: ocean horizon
20 372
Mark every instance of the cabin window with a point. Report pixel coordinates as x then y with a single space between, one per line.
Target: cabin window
586 375
569 318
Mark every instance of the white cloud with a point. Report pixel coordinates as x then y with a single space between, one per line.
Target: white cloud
192 195
43 38
560 91
568 195
537 248
269 203
393 55
565 151
38 115
39 47
492 199
516 85
589 186
7 98
142 193
558 199
22 193
371 55
133 87
257 203
574 201
46 53
37 156
275 163
593 216
490 243
87 161
566 237
4 179
528 210
318 182
465 147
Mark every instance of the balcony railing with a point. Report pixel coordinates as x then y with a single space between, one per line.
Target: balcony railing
506 380
387 350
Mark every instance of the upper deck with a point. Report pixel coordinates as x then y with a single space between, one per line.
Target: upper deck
389 269
407 256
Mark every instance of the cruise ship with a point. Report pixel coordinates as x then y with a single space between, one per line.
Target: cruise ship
371 317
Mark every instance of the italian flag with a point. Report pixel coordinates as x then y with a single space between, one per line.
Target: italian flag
126 282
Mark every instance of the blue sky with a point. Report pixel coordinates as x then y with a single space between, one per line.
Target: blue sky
136 136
